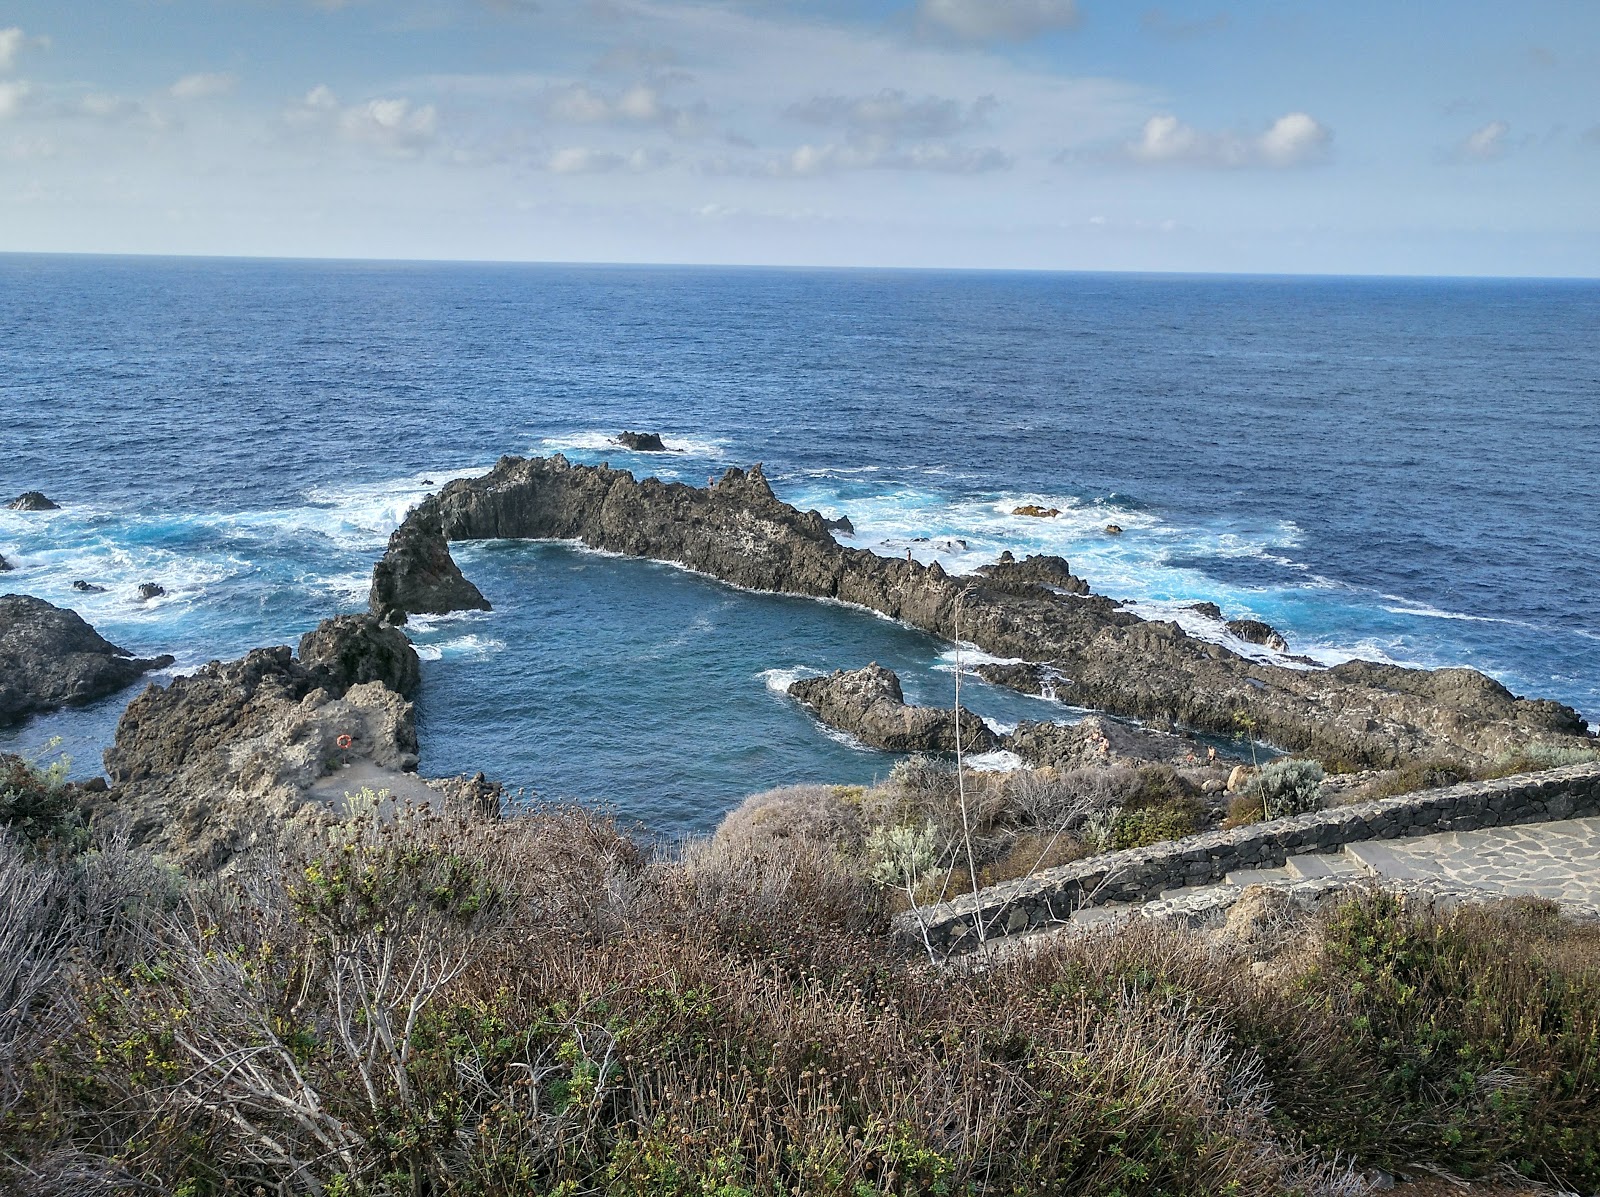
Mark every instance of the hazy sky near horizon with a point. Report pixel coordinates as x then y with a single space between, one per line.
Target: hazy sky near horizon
1424 138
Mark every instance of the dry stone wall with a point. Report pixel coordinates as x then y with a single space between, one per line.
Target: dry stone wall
1142 873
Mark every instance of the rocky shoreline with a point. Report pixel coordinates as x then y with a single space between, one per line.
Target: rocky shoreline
1096 654
50 658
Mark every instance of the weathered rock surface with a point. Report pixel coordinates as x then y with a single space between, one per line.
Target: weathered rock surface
33 500
204 767
417 575
1037 512
150 590
1097 741
1026 677
1253 631
1107 659
842 525
51 658
5 566
351 649
641 442
1209 610
869 705
1043 569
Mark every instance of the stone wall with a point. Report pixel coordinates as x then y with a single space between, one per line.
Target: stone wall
1142 873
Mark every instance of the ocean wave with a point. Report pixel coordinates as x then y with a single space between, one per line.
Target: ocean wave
469 647
779 680
678 446
1001 760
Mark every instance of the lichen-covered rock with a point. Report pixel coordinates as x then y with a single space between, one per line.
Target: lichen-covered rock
33 500
51 658
869 705
417 575
350 649
1104 658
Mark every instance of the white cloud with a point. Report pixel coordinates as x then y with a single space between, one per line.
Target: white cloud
996 20
639 105
11 97
10 44
892 113
203 86
1486 143
1292 139
392 126
582 160
936 156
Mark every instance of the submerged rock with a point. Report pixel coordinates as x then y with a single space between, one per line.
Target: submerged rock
1113 529
83 587
1037 512
417 575
202 768
5 566
1253 631
869 705
33 500
150 590
51 658
1103 658
641 442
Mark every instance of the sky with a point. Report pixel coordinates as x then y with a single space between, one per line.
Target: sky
1357 138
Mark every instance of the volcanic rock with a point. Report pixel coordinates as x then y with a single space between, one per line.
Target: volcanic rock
5 566
841 525
33 500
641 442
1097 741
351 649
1043 569
1026 677
150 590
1253 631
51 658
417 575
83 587
869 705
1113 529
1036 511
206 766
1209 610
1106 659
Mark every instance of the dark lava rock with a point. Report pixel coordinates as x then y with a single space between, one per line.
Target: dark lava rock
150 590
1042 569
841 525
1104 658
5 566
51 658
417 575
1097 741
869 705
83 587
1253 631
1209 610
641 442
1026 677
350 649
33 500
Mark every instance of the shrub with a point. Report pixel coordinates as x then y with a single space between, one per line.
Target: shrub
1534 757
37 803
1418 775
1170 819
1286 788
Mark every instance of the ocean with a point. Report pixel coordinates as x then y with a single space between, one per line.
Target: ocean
1397 469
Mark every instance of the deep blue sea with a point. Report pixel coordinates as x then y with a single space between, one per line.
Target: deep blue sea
1404 470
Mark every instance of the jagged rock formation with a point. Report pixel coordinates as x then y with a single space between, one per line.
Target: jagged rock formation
1043 569
33 500
83 587
5 566
1025 677
842 525
1105 658
151 590
1253 631
417 575
51 658
1209 610
1097 741
201 768
869 705
641 442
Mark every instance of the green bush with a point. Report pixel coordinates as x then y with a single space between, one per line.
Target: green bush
37 803
1286 788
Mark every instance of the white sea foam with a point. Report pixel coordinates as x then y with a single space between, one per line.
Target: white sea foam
594 441
1001 760
779 680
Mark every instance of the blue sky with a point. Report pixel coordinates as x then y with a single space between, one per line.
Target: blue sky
1424 138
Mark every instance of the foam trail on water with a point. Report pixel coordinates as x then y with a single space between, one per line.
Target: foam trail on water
603 446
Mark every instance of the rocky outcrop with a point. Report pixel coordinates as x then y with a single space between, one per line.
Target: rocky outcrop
51 658
1253 631
151 590
204 767
1209 610
1025 677
1037 512
1043 569
417 575
842 525
641 442
33 500
1113 529
1106 659
5 566
1098 741
869 705
349 650
83 587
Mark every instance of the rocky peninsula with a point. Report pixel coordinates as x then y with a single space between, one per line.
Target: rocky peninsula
1095 653
51 658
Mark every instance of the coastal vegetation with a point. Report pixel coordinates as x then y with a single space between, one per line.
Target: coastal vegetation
433 1003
